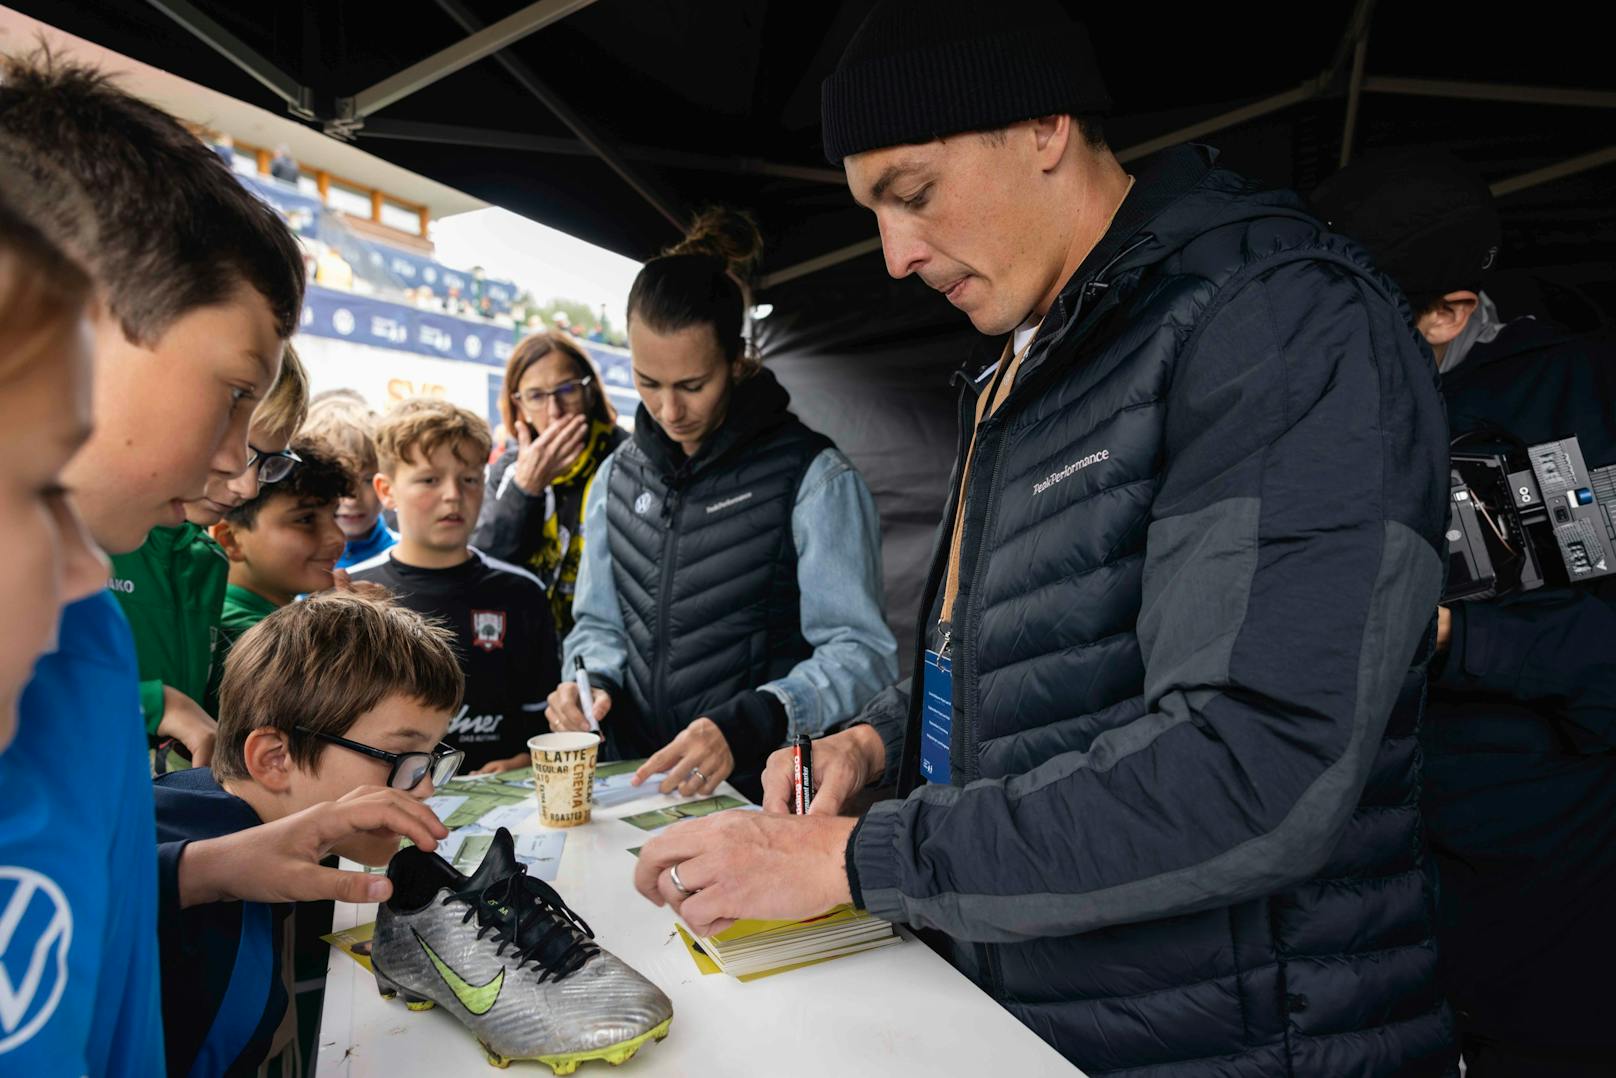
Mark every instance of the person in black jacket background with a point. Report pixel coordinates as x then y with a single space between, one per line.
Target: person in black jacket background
1520 779
554 404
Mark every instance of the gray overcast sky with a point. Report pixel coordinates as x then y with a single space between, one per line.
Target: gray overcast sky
547 263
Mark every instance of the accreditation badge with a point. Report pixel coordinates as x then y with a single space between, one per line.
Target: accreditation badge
936 716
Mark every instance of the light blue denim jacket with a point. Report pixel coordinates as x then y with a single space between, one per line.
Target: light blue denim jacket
838 535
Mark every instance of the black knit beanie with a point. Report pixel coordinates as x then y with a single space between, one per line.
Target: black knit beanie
1426 218
918 70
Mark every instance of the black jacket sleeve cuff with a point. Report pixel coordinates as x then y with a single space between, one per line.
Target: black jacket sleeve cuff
171 919
754 724
852 866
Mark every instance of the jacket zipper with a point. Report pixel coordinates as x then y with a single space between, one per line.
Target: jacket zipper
987 956
967 668
659 681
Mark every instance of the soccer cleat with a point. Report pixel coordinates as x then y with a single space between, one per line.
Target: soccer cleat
503 953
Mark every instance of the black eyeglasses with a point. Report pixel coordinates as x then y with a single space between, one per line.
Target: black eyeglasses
409 768
564 394
273 467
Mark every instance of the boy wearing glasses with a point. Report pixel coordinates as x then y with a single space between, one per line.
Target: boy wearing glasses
324 700
172 588
281 544
431 457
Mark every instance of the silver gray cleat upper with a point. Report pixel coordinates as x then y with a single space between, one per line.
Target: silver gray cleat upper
505 955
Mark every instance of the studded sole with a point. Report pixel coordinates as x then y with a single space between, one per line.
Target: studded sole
567 1062
561 1063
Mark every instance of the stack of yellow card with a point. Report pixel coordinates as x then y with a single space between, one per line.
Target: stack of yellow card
751 948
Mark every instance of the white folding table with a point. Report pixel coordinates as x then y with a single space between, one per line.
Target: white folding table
896 1011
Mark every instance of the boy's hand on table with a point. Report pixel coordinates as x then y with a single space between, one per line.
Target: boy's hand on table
747 864
494 767
186 722
565 711
280 861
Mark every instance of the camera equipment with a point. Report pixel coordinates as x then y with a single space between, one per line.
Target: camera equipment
1525 518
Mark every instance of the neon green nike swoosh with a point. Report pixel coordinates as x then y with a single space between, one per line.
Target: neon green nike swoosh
478 999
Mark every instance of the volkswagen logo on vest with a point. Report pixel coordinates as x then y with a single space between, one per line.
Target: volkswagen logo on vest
642 504
36 931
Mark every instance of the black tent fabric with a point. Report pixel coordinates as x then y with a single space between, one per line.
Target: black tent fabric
716 102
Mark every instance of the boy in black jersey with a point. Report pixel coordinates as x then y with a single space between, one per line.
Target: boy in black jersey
431 455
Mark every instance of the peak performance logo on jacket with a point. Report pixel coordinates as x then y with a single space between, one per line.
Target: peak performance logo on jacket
36 932
488 629
1069 471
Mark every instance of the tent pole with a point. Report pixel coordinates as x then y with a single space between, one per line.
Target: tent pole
1596 159
824 261
299 98
1354 91
1304 92
1491 91
486 41
455 135
663 203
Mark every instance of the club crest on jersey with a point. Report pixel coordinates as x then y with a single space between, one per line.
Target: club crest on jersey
488 629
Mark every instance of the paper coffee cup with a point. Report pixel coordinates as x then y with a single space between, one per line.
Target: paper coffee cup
564 776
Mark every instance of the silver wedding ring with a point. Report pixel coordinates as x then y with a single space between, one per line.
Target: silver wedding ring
673 874
696 771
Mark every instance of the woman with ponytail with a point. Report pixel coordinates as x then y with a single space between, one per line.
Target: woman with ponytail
730 593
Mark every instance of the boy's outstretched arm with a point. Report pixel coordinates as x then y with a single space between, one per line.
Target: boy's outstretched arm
280 861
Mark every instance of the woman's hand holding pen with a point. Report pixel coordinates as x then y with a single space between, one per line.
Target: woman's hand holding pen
565 712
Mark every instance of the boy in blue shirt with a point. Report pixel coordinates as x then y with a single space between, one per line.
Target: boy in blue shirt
198 287
348 426
308 693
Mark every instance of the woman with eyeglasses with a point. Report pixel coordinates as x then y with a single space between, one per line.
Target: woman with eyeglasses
731 586
554 405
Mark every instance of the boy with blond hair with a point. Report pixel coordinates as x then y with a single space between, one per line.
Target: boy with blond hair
348 426
322 700
431 457
173 588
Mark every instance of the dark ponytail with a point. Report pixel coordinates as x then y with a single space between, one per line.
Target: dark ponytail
703 281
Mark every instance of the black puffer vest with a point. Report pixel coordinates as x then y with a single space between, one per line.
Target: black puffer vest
704 562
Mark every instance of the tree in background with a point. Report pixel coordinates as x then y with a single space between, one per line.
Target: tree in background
579 319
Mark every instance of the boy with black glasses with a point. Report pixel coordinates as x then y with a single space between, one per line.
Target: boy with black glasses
323 700
282 544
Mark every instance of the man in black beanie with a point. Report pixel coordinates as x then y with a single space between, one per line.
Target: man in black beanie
1158 772
1520 730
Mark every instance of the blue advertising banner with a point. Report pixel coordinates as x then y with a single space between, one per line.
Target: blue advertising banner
302 212
416 271
384 324
377 322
